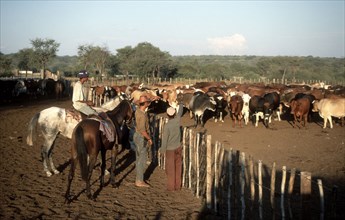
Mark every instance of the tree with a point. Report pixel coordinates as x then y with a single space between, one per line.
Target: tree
5 65
25 57
124 57
94 57
263 67
149 61
84 55
44 50
146 61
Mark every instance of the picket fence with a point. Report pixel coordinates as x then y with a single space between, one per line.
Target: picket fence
235 186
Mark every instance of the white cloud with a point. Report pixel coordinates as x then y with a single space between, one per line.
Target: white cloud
228 45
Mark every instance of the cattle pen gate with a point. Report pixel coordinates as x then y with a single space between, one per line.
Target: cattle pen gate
232 185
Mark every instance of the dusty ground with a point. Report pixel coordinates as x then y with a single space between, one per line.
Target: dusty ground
26 193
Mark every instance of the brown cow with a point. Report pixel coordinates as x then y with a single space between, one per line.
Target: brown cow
300 110
235 109
98 95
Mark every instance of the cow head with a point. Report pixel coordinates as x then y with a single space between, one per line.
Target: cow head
315 106
213 104
267 113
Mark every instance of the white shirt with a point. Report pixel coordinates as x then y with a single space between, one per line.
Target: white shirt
78 95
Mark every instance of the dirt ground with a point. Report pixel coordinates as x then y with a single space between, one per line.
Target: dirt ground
26 192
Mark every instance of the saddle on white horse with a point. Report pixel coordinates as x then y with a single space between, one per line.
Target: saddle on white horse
72 114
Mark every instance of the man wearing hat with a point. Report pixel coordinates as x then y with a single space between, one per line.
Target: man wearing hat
79 99
142 140
171 146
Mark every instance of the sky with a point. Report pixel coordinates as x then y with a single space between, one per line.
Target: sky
259 28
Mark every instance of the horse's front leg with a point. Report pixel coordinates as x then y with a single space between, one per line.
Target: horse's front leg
114 153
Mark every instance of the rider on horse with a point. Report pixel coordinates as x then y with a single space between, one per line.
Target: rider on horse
80 103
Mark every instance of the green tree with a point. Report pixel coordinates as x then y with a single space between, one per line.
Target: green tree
44 50
124 56
5 65
263 67
94 58
145 60
149 61
25 58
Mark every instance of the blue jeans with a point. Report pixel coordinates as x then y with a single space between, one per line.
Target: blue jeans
87 110
140 155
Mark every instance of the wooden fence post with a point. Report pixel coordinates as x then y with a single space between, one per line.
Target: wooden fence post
220 171
159 139
283 192
273 186
190 158
305 194
322 201
197 164
252 185
215 188
260 188
230 182
334 202
209 172
242 182
184 156
290 190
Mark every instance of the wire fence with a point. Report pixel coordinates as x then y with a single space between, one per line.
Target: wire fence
234 186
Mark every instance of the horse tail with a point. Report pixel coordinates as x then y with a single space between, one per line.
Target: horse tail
81 151
32 129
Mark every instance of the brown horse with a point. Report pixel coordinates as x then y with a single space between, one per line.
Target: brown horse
88 140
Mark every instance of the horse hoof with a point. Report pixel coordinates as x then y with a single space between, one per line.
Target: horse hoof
56 172
49 174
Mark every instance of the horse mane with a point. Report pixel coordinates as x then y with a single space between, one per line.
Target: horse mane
119 109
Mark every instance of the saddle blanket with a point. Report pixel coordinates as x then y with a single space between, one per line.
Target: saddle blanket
107 128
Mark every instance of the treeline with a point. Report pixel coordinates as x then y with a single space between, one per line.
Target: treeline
147 61
256 67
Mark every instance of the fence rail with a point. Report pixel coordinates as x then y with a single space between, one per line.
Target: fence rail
235 186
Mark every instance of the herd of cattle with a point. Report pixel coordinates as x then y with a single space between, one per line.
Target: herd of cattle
242 102
13 90
205 100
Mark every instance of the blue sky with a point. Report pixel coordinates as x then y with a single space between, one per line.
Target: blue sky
262 28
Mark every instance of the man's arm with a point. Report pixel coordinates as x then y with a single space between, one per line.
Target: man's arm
180 109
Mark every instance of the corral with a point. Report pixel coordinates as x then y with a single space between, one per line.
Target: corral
27 193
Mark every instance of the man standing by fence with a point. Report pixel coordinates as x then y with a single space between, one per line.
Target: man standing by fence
142 140
171 146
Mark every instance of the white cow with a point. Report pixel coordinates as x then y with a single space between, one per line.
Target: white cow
328 108
245 109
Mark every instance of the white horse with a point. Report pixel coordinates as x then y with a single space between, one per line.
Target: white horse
54 121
